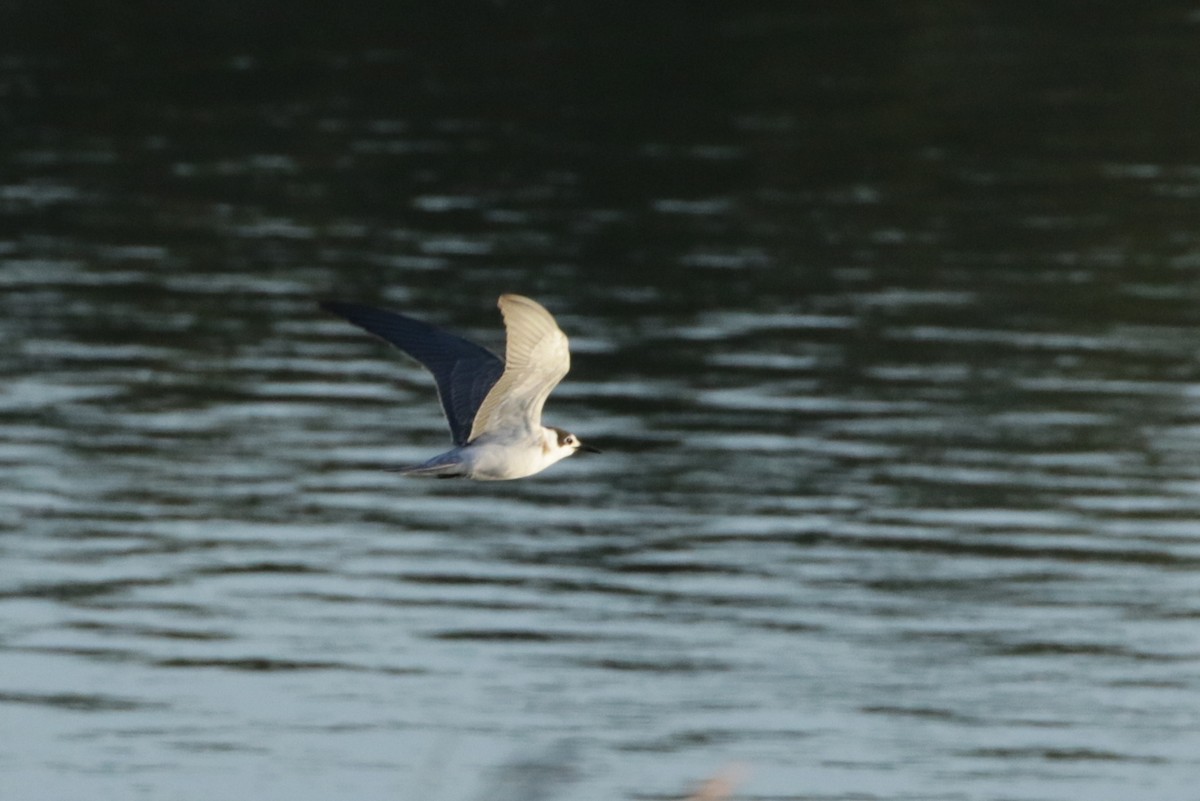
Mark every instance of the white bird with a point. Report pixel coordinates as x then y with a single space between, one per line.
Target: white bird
494 407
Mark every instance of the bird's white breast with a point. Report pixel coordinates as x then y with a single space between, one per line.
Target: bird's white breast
497 457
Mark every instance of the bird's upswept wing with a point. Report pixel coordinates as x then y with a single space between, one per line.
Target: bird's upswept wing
536 359
464 372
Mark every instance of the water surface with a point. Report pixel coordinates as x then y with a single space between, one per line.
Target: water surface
887 325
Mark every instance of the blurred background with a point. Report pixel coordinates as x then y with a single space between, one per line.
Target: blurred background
884 314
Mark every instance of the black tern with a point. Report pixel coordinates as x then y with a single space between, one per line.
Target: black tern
493 406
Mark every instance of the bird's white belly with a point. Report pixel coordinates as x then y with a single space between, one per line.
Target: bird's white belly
496 461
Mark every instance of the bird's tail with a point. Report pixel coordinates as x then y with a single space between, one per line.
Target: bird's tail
437 467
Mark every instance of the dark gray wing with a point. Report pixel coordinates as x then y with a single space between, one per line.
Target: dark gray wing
464 372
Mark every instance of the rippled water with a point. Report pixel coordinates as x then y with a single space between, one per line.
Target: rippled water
887 328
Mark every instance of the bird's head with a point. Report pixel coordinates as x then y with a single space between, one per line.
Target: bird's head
560 444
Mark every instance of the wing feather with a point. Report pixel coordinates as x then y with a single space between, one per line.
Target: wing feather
537 356
464 372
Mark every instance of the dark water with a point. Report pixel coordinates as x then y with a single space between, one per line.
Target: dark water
885 317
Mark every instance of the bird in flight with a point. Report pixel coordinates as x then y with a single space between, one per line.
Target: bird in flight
493 406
